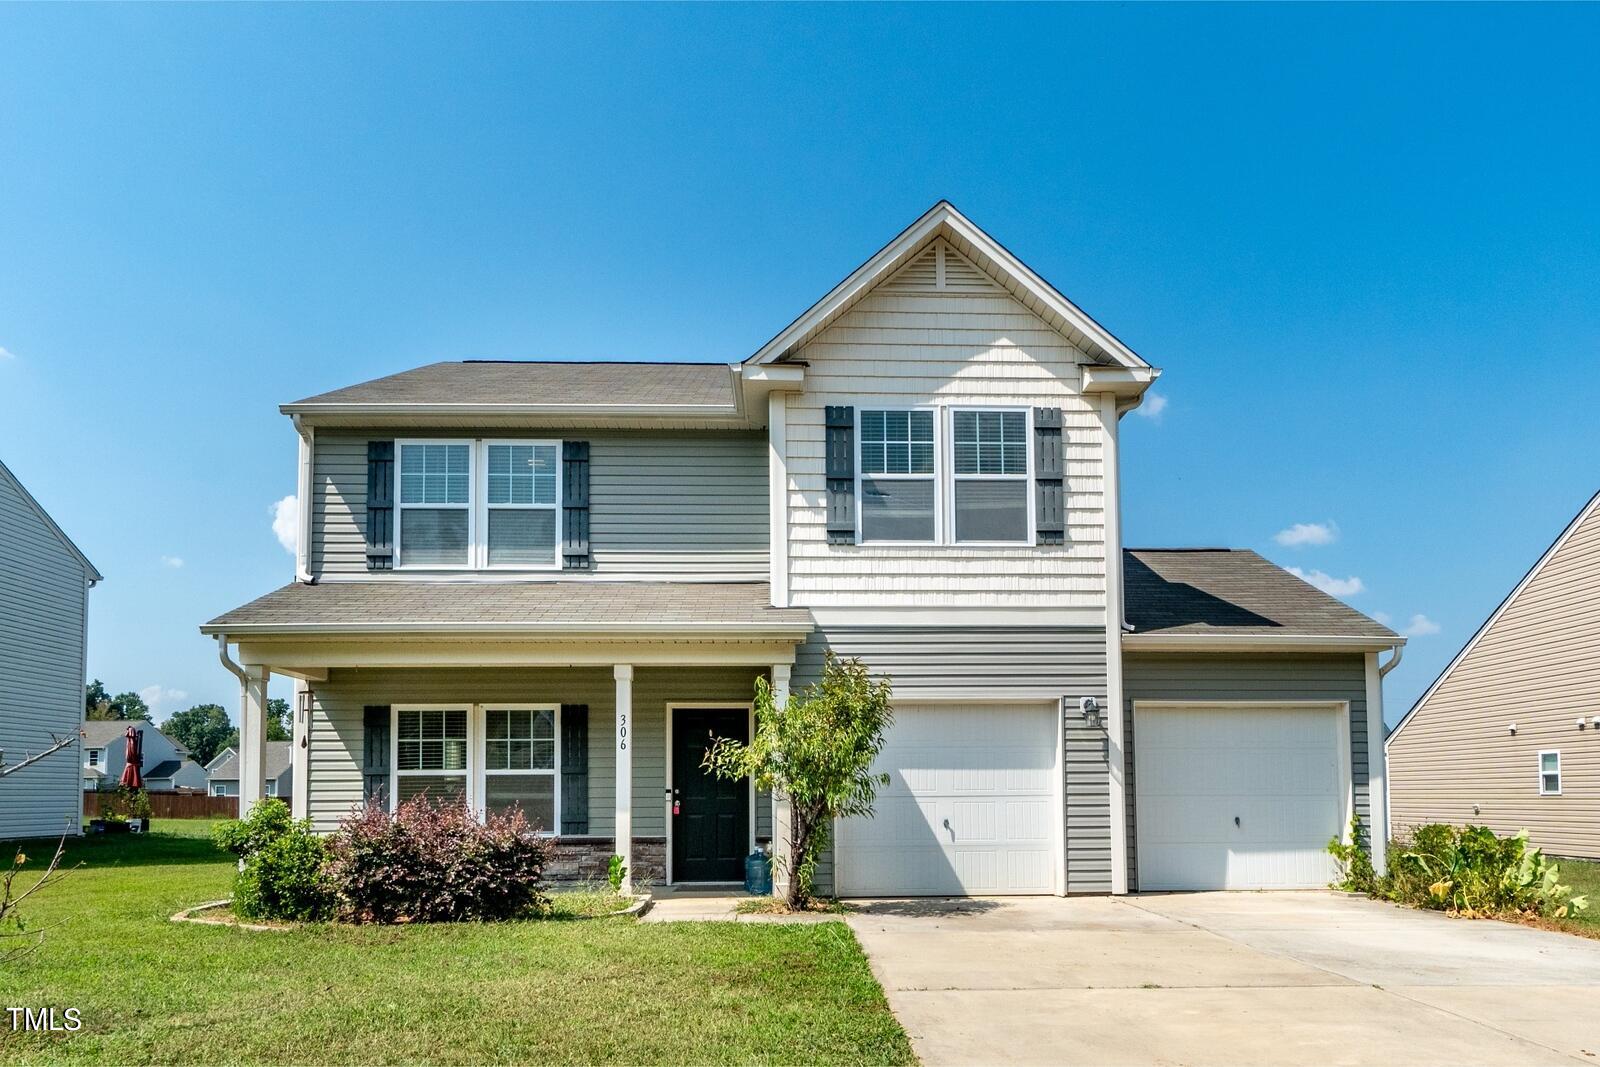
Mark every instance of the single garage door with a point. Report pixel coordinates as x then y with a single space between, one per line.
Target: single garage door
1239 797
970 809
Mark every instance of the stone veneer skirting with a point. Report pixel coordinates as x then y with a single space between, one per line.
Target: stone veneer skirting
587 859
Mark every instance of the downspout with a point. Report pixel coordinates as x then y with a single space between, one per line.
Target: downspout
1382 754
1384 669
244 695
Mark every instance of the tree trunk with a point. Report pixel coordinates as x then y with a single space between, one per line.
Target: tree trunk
799 843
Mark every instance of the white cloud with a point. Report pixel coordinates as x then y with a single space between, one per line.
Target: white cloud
1382 617
172 561
286 522
1308 533
1328 583
1421 626
4 354
1154 404
157 696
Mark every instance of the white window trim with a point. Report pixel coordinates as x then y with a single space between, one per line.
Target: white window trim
1026 477
95 756
482 738
1556 752
944 476
481 506
400 508
477 505
475 773
272 787
937 476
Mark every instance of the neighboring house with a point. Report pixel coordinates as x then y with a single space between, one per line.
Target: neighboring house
547 584
223 771
1508 737
167 766
44 611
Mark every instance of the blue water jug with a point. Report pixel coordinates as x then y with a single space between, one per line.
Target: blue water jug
758 874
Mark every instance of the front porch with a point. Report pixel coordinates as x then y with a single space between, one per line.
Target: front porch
595 734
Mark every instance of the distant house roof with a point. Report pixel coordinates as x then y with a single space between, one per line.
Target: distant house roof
513 607
44 516
280 755
99 733
542 387
164 769
1197 594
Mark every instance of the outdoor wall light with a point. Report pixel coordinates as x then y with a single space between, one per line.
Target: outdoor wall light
1513 728
1091 712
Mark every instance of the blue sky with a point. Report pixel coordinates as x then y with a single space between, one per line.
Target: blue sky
1363 243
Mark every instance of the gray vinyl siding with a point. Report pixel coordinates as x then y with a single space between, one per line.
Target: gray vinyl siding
43 598
1254 677
336 725
998 664
673 506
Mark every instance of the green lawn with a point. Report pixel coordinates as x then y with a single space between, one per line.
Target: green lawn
605 990
1584 878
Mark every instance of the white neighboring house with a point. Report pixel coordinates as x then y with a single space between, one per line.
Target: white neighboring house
223 771
167 766
44 601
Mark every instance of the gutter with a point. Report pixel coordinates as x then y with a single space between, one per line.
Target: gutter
725 630
1156 642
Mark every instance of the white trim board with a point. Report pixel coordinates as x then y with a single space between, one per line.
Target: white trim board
1472 643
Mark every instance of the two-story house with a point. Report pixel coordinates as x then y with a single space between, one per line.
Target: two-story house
167 766
547 583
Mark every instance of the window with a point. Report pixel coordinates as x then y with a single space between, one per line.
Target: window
898 484
520 763
94 756
217 790
1550 774
484 504
272 787
521 500
435 503
990 475
430 752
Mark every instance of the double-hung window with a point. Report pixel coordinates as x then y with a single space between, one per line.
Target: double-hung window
899 483
989 469
430 752
520 762
94 757
1550 773
483 504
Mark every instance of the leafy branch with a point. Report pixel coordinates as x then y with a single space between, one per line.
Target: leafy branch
12 927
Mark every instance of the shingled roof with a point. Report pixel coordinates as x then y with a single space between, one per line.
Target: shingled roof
513 607
279 756
1222 592
666 386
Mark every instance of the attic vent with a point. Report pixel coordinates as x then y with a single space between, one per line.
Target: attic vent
940 269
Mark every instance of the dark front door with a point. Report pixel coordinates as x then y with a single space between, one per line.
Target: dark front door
711 827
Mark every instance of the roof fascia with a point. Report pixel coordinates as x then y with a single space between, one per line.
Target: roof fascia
1533 572
1157 642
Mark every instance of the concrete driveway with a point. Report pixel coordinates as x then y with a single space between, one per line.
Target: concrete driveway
1230 979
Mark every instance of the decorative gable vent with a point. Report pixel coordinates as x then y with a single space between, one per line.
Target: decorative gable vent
941 269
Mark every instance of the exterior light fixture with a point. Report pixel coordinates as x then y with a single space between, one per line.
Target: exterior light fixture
1091 712
1513 729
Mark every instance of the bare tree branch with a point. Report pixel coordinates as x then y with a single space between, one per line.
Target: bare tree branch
59 744
10 925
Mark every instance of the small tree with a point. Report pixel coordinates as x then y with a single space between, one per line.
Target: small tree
817 751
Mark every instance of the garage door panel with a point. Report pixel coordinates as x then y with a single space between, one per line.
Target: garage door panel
970 807
1238 798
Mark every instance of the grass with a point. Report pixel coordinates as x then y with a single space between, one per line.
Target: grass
604 991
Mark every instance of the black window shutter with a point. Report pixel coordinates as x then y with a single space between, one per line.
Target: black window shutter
575 554
375 753
380 505
574 768
1049 484
841 472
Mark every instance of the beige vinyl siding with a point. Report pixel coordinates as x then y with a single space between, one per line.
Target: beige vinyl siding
910 343
336 726
1537 665
43 598
683 506
1254 678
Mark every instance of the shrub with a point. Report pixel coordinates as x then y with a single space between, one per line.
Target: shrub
1356 873
434 862
615 873
126 803
283 870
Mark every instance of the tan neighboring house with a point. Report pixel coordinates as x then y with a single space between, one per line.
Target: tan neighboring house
1509 735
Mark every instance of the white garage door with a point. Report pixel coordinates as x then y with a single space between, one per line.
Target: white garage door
970 809
1239 797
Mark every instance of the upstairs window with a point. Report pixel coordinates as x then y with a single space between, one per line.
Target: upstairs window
94 757
485 504
1550 774
898 485
990 475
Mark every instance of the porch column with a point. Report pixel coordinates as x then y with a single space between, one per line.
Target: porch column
623 673
780 803
253 738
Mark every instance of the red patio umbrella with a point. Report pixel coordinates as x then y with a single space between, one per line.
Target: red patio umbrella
134 760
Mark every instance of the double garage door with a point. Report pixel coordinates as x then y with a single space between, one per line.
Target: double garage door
1227 797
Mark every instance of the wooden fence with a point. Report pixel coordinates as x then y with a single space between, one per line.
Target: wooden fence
171 805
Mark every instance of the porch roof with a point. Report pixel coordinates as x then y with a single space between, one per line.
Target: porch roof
533 608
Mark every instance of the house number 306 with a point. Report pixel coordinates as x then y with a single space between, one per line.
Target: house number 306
622 731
